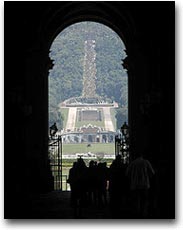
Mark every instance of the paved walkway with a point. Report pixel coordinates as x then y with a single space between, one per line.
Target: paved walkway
56 205
107 119
70 125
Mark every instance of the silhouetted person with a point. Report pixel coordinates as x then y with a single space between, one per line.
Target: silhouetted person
82 184
53 130
102 177
139 172
92 183
79 177
117 186
72 180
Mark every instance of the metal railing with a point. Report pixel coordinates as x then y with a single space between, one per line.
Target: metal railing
55 156
60 183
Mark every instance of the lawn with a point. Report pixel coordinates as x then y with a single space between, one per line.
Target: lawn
107 148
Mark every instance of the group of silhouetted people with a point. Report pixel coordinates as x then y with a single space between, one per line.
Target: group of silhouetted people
89 185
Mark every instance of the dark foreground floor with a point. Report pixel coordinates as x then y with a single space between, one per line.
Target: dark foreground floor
56 205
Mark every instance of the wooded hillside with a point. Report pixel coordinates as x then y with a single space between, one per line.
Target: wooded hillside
67 51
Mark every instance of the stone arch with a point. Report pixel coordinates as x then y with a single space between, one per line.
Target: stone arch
57 19
121 22
146 40
53 21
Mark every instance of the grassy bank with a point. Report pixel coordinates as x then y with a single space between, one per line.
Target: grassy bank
106 148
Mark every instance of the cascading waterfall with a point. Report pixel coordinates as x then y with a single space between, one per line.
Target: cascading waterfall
89 70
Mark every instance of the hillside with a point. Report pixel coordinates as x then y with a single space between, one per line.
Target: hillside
66 77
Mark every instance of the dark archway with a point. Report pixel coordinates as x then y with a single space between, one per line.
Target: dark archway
90 138
94 16
97 12
150 46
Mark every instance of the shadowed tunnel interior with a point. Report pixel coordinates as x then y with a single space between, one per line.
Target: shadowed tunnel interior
147 29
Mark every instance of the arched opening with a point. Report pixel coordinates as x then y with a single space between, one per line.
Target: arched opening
151 97
88 88
90 138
